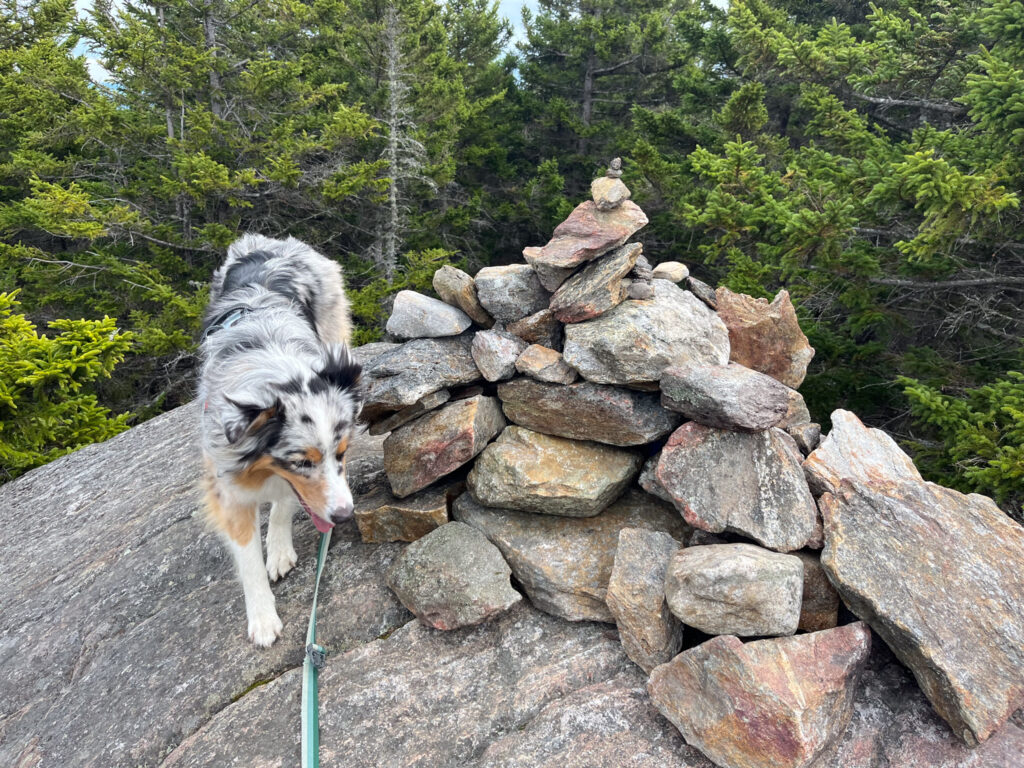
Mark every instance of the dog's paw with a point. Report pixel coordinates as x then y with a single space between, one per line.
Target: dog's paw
280 560
265 628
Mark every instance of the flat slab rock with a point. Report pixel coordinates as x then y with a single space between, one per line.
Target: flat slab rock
495 354
735 589
774 703
937 574
856 452
725 396
595 288
415 316
650 634
533 472
400 377
636 341
749 483
453 577
545 364
563 563
539 328
587 411
585 235
417 454
766 336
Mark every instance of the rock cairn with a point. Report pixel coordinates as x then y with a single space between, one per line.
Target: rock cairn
627 445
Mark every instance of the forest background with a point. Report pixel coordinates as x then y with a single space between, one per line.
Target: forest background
869 158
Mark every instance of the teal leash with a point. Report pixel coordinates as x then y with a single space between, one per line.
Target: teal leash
315 657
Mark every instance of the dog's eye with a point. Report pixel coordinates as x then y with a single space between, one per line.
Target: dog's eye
302 464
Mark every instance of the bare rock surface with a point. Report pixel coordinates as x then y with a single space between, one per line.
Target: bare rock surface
440 442
765 335
595 288
586 411
747 483
726 396
775 703
637 340
856 452
453 577
608 193
562 563
539 328
457 288
381 516
937 574
533 472
511 292
650 634
399 377
126 632
415 316
735 589
585 235
495 354
543 364
702 291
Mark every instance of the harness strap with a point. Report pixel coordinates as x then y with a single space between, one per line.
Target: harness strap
314 661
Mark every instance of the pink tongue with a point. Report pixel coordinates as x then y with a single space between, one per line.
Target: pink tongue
321 525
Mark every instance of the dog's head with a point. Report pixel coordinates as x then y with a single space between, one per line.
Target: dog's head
299 430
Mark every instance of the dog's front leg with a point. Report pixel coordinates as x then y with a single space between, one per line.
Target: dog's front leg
281 557
243 538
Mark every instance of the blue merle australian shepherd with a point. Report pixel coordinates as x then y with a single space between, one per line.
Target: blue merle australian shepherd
281 396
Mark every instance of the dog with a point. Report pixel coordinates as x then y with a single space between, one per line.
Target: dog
281 396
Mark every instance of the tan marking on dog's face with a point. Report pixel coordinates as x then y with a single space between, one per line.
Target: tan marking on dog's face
342 447
313 455
257 473
262 419
237 522
313 490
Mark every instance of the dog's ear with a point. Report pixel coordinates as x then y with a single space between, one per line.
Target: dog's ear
241 419
340 371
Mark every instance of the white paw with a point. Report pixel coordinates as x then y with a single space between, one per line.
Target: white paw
265 628
280 560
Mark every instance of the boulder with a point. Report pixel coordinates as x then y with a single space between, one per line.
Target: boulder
650 634
702 291
608 193
725 396
539 328
856 452
545 364
775 703
417 454
381 517
564 563
636 341
819 606
796 410
735 589
495 354
457 288
367 353
746 483
766 336
806 436
511 292
595 288
401 376
585 235
410 412
532 472
415 316
937 574
585 411
453 577
670 270
648 479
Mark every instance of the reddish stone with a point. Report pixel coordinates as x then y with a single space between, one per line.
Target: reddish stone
766 336
775 703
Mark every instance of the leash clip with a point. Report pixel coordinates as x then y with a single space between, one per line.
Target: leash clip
317 656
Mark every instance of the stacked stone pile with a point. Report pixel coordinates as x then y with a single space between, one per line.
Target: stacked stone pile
626 445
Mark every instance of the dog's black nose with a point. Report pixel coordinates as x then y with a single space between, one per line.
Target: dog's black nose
341 514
